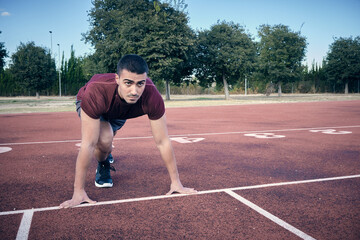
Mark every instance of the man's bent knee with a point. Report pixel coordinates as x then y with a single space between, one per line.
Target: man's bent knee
104 147
106 137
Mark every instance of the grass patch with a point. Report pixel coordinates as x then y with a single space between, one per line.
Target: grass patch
63 104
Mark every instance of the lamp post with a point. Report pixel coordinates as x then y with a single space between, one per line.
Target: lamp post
50 42
246 83
59 73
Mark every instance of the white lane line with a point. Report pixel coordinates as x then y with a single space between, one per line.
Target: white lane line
24 229
182 195
295 182
67 141
187 135
270 216
44 142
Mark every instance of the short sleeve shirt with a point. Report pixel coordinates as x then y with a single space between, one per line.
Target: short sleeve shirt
100 97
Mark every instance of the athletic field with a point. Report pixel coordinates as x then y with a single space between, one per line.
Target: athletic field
263 171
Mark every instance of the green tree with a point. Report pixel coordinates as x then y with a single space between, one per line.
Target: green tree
225 54
343 62
179 5
152 29
7 85
32 68
72 75
281 52
3 55
91 66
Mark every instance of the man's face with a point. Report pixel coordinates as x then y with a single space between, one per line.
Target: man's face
131 85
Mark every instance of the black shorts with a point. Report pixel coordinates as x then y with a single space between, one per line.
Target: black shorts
116 124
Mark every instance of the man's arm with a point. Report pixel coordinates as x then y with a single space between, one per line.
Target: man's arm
162 140
90 130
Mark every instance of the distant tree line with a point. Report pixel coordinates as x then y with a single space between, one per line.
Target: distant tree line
216 60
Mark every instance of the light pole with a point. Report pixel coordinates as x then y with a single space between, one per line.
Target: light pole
51 42
245 85
59 73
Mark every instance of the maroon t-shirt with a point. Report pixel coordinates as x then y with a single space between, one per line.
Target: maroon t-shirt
100 97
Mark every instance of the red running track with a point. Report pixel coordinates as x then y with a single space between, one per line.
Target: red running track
274 171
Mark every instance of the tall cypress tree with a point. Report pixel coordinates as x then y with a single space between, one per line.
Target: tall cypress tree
72 75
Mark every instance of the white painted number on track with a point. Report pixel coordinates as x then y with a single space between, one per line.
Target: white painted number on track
186 139
5 149
330 131
264 135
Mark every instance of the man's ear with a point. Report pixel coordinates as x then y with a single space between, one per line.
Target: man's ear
117 78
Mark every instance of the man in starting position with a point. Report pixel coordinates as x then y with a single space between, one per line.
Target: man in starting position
104 104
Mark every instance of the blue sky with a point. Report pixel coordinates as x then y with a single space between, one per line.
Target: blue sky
323 20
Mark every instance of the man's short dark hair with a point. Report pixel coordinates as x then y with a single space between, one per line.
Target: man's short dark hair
133 63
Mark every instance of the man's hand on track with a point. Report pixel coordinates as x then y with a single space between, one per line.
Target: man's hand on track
178 188
77 199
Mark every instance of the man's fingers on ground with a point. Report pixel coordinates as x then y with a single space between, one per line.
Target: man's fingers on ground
65 205
70 203
184 191
88 201
190 190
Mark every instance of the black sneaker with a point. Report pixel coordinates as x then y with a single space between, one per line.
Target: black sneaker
102 177
110 158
